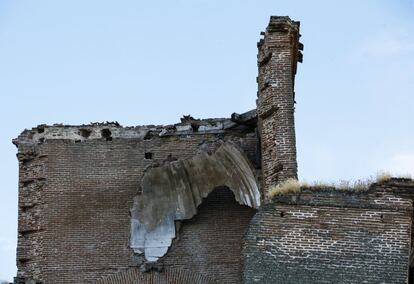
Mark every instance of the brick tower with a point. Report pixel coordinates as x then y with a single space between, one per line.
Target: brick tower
278 54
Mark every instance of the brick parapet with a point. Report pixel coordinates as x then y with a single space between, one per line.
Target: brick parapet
396 194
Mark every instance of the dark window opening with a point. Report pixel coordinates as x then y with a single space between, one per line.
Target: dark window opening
106 133
282 214
148 156
220 136
85 132
195 127
148 135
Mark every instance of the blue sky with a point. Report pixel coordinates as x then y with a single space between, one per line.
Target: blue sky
150 62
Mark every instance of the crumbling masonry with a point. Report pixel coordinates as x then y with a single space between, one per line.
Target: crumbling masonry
185 203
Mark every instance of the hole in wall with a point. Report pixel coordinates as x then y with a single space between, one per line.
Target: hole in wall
148 135
282 214
148 156
106 133
23 260
195 127
219 136
85 132
170 158
40 130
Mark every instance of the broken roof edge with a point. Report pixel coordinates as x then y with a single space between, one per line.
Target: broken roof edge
109 130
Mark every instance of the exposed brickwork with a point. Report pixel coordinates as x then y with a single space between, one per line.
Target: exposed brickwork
331 237
88 194
32 180
277 58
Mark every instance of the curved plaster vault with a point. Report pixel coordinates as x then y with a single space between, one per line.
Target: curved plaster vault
172 192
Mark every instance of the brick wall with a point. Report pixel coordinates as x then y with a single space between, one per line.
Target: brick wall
331 237
78 231
277 59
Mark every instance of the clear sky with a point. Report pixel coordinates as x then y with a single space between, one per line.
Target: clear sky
150 62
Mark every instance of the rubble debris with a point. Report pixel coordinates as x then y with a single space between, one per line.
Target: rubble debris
111 130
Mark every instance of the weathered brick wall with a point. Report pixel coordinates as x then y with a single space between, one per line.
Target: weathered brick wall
85 203
277 59
331 237
31 223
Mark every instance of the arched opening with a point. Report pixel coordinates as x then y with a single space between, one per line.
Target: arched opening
211 242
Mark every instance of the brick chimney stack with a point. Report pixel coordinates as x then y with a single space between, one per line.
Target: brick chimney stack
278 54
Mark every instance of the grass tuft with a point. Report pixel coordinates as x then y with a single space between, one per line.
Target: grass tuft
293 186
288 186
383 177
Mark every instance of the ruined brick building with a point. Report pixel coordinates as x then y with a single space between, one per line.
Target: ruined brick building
185 203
